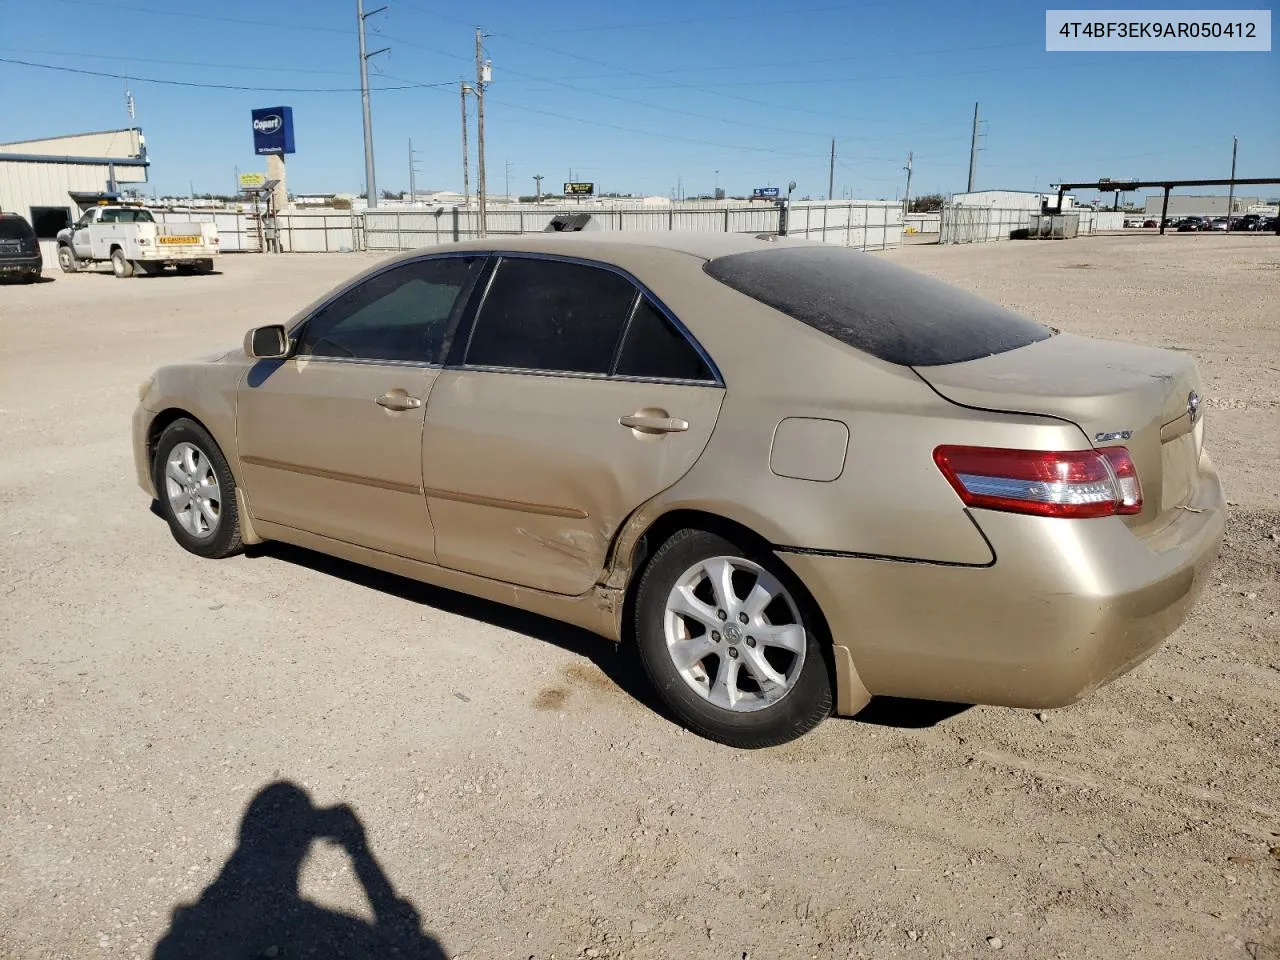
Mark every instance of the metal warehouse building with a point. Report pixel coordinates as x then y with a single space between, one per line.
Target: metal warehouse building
51 181
1191 205
1010 200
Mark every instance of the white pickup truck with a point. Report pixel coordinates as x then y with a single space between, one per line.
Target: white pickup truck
132 241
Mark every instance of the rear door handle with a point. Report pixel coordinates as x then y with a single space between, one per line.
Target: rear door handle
398 400
646 423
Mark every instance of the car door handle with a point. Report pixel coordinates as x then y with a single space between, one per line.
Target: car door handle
398 401
650 423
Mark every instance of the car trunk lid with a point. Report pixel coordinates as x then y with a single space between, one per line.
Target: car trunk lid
1142 398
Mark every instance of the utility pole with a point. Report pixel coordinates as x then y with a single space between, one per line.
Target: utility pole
1231 190
906 200
464 89
537 180
371 188
413 186
507 182
482 70
831 172
973 148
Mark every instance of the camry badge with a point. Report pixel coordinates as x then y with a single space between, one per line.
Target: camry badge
1112 435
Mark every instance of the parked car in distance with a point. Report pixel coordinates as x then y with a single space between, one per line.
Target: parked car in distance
1147 224
1250 222
1191 224
794 475
1217 224
20 256
129 238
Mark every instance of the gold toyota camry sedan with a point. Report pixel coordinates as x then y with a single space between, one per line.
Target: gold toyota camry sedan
795 476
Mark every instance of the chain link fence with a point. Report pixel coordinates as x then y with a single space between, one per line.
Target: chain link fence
961 224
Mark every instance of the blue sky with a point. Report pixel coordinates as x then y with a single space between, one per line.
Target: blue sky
639 97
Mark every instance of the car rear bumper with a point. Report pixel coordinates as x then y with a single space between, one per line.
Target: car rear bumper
161 255
33 263
1068 606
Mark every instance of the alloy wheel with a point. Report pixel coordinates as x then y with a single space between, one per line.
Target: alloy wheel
191 485
734 633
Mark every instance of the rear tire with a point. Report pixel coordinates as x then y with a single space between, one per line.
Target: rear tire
196 491
728 640
121 267
204 266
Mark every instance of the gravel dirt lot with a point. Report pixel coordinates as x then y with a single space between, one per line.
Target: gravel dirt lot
514 782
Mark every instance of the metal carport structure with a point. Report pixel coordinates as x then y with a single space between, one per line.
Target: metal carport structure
1125 186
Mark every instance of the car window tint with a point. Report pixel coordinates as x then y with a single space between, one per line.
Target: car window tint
877 307
654 347
551 315
15 228
401 314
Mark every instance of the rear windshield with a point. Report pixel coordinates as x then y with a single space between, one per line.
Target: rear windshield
15 228
877 307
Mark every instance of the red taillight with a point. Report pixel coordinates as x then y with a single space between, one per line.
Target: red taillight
1070 483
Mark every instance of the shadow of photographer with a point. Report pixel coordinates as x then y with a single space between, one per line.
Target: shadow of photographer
254 910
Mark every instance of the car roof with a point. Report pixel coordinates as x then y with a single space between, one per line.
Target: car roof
609 245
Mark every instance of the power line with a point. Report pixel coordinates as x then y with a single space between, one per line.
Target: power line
663 84
771 15
133 78
667 85
649 133
858 58
116 7
869 78
173 63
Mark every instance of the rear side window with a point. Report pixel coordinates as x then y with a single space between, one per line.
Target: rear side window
550 315
877 307
655 348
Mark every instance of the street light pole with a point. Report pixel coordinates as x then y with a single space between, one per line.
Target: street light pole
537 180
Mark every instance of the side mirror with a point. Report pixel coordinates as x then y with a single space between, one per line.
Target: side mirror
267 343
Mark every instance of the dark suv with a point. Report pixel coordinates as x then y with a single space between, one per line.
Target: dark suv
19 249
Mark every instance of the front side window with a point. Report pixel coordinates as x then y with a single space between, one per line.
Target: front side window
401 314
86 219
551 315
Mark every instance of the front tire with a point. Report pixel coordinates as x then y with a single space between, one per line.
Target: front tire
120 266
67 259
197 491
729 642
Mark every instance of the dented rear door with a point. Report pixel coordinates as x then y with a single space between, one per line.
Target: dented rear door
528 476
